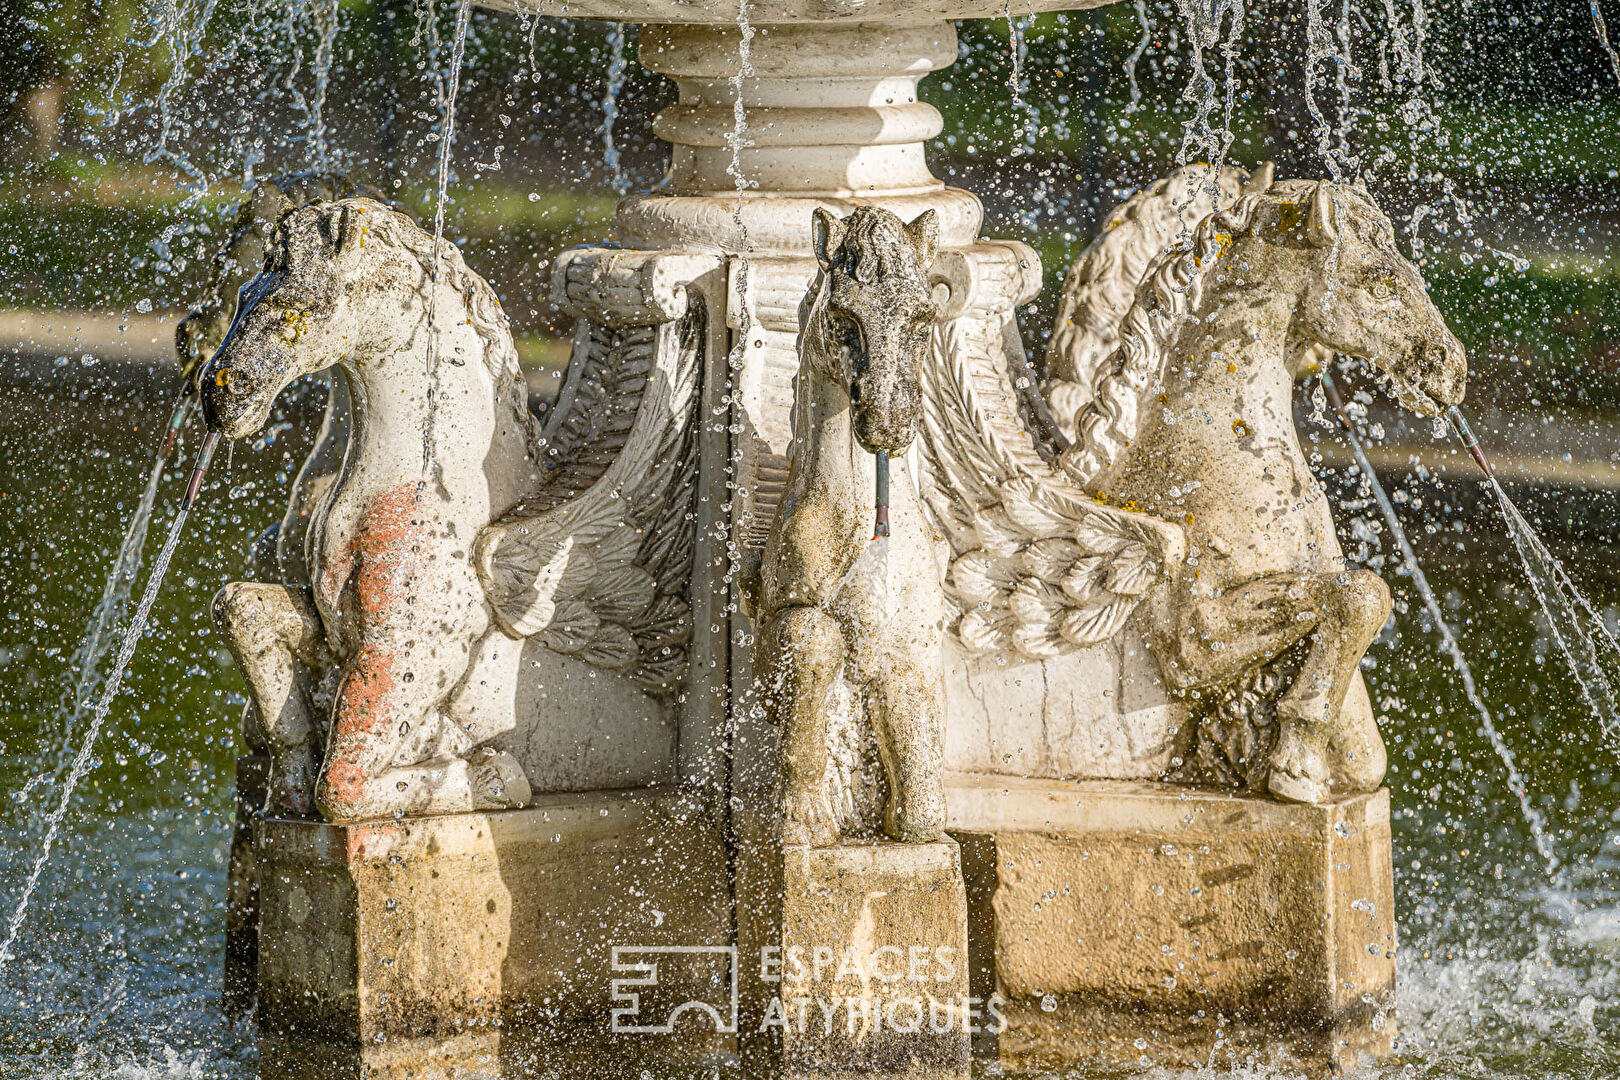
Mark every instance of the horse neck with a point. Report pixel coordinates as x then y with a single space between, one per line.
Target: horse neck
825 454
1239 335
397 405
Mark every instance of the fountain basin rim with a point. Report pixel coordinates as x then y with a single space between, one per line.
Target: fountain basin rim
772 12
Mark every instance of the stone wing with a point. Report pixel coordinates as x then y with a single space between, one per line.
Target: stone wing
1037 566
591 561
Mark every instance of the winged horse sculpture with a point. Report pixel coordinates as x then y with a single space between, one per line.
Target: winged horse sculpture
1184 500
428 594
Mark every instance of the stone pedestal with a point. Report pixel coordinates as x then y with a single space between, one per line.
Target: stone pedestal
856 965
484 944
242 888
1132 923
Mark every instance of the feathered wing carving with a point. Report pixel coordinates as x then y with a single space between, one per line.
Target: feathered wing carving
594 561
1038 567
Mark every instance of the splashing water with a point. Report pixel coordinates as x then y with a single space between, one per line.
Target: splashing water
1135 58
1448 640
610 108
1575 626
324 14
449 87
114 594
115 679
1018 49
1320 50
1562 602
1204 20
738 139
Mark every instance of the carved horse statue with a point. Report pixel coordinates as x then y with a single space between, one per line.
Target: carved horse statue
280 551
1186 496
429 590
864 334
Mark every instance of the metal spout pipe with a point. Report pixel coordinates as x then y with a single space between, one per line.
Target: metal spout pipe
1469 440
881 526
1454 416
177 420
197 473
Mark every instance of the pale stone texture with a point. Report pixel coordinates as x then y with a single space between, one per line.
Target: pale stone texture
1099 712
876 902
494 956
481 944
1208 925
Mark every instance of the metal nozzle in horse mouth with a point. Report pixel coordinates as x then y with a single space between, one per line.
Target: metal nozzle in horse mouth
880 526
1459 424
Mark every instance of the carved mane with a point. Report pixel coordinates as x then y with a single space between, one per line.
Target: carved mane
396 231
1172 291
1102 283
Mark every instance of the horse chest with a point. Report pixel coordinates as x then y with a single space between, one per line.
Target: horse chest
371 551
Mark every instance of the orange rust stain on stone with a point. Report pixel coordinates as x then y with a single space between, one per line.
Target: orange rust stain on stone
365 710
385 555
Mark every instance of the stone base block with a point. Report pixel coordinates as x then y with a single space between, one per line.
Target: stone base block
242 888
482 945
1134 923
857 966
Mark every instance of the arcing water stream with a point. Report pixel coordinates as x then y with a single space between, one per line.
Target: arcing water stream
1448 640
115 592
450 87
115 679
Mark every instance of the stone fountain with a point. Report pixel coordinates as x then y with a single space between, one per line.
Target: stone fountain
1153 852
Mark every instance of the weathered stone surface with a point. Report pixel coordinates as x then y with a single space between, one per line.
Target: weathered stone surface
1128 921
482 944
1099 712
242 888
858 946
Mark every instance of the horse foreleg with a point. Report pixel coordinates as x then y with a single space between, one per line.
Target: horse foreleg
1208 641
393 751
274 633
805 647
1311 715
904 701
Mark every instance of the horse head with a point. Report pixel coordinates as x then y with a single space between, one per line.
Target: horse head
872 318
300 315
1364 298
252 232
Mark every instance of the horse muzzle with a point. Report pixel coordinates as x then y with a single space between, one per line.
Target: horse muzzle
232 401
885 414
1442 369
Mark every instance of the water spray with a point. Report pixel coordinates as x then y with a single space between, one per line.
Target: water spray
84 759
880 527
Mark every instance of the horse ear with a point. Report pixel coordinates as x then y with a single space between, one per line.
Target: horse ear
924 233
1261 179
1322 223
827 233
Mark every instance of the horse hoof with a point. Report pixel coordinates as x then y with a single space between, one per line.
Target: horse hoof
497 779
808 822
1300 789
